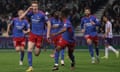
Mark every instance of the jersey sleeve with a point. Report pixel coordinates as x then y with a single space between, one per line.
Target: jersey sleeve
66 25
44 16
97 22
27 25
29 14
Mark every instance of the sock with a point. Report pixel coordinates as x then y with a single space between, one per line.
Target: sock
56 57
97 51
30 58
113 49
62 54
106 52
93 58
72 57
91 50
21 55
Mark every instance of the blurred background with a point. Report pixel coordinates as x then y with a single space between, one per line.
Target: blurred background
111 8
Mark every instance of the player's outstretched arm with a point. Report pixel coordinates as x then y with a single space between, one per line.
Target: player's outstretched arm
48 29
8 29
62 31
26 31
82 26
24 14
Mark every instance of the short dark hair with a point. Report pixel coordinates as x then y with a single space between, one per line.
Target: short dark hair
35 2
106 17
87 8
65 12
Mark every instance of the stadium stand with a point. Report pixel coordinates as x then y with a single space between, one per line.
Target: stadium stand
8 9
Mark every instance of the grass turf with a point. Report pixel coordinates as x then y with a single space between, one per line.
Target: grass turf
43 63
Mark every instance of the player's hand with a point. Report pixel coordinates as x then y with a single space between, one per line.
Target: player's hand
25 32
48 37
49 40
104 36
83 30
53 34
86 36
30 8
7 34
92 22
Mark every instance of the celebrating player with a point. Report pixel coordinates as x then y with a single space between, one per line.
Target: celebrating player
88 26
20 28
108 38
66 40
56 27
38 20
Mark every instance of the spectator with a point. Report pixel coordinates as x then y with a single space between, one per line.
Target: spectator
116 9
4 24
0 26
117 26
113 11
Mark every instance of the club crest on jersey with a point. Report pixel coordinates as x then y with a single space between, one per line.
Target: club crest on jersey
38 17
85 21
35 19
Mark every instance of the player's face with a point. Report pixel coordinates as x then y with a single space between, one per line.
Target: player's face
104 19
87 12
20 12
56 15
35 7
60 16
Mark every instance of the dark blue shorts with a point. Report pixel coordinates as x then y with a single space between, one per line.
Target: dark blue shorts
108 41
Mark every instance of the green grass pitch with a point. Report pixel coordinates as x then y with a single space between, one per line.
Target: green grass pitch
43 63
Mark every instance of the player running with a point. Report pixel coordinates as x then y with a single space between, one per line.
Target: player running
56 27
20 28
66 40
108 38
88 26
38 20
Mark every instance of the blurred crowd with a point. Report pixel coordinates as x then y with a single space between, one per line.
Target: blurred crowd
113 12
9 8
